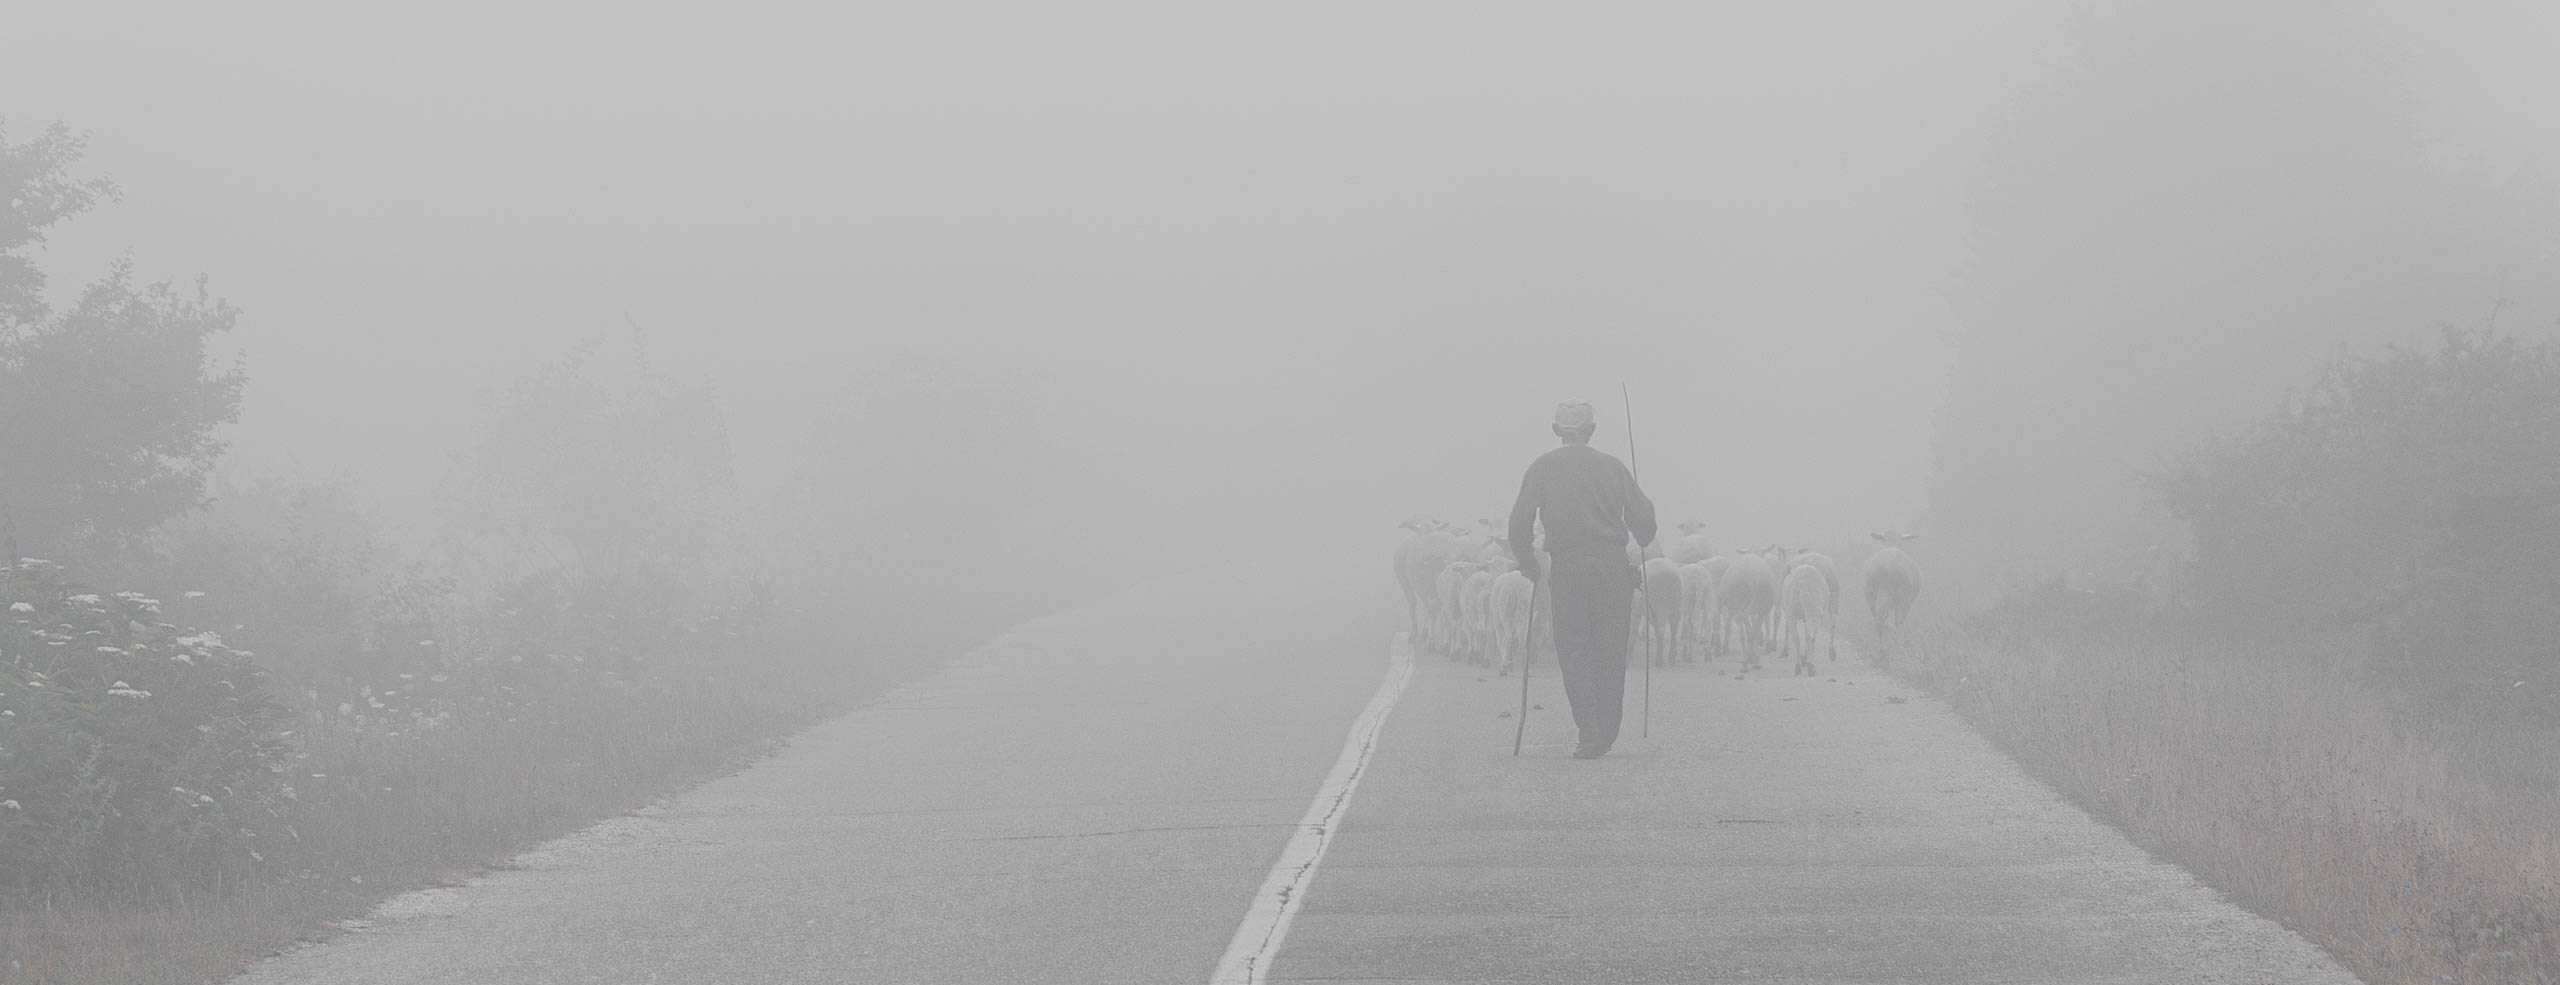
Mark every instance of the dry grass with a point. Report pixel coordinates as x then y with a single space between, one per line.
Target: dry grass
173 942
384 816
2417 844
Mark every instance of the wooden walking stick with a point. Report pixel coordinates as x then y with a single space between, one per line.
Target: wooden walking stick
1528 655
1630 404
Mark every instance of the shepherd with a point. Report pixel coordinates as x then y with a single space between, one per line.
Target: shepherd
1590 506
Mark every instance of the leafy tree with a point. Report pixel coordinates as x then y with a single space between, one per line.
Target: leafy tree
2409 492
2208 197
594 464
108 411
36 191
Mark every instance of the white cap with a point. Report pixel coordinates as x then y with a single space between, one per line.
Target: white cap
1573 415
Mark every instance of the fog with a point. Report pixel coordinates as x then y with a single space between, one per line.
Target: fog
1295 274
969 313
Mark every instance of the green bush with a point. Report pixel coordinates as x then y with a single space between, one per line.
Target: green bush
2415 494
136 757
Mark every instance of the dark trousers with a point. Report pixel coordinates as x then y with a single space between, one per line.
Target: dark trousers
1593 598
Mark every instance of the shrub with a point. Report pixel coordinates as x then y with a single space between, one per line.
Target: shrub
136 757
2409 493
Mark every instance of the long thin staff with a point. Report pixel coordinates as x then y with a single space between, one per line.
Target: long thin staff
1528 655
1650 621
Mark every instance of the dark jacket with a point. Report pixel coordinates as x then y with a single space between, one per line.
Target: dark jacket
1588 501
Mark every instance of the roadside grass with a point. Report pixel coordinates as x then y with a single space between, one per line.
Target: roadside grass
2417 840
381 813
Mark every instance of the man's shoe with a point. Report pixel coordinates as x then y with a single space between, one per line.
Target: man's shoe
1589 751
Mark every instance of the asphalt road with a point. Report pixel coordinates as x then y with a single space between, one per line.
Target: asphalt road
1097 797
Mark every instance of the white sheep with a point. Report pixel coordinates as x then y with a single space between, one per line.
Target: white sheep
1803 601
1714 616
1892 581
1475 610
1697 607
1781 561
1747 596
1418 562
1515 598
1660 608
1691 546
1447 632
1830 577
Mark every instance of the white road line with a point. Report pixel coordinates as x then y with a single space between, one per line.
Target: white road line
1258 938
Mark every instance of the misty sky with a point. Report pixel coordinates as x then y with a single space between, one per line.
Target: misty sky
1292 269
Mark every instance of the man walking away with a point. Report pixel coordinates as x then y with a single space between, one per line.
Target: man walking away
1590 505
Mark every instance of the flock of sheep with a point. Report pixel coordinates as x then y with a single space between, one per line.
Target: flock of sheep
1468 600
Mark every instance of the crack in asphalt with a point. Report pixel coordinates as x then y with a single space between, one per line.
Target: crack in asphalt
985 809
1133 831
1249 954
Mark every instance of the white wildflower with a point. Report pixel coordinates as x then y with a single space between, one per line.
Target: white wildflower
83 600
346 709
439 679
426 642
8 713
21 607
192 595
124 690
111 649
10 804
